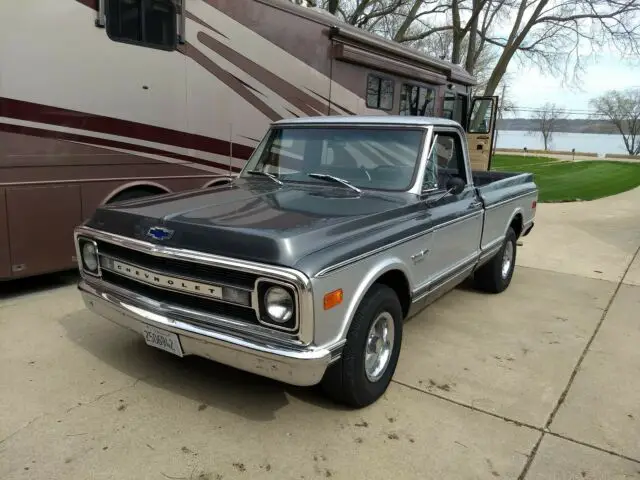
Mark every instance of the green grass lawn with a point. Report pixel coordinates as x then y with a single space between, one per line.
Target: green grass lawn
569 181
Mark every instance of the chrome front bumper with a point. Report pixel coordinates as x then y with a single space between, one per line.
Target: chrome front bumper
302 366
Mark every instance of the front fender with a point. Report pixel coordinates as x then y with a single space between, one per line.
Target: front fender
331 326
369 279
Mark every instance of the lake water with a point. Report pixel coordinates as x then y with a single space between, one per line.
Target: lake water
583 142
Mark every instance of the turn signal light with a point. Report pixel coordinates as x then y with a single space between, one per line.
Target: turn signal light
534 204
332 299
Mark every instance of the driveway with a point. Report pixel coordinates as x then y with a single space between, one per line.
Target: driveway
540 382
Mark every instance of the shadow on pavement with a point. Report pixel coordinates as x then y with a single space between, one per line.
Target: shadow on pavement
12 289
201 380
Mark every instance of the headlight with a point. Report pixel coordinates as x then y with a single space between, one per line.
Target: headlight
89 256
279 304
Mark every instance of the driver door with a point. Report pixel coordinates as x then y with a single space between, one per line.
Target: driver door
481 131
456 217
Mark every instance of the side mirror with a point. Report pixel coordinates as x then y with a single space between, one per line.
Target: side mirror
455 185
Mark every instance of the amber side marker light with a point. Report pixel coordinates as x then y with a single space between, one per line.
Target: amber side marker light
332 299
534 204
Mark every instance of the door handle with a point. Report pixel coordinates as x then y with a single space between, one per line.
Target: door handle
419 256
475 205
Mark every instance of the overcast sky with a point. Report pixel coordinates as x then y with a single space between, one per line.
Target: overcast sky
530 88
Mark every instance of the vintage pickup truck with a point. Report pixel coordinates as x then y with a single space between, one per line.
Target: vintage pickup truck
304 267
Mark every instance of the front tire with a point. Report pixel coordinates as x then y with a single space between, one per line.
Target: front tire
495 276
370 356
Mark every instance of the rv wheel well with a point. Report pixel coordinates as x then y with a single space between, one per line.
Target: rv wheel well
396 280
135 191
218 181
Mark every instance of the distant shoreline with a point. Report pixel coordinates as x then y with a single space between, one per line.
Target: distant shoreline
590 143
578 125
566 155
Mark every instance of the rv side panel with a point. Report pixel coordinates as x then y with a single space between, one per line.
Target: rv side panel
5 259
40 219
300 55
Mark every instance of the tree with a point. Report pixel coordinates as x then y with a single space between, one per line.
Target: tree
622 109
559 36
556 35
547 119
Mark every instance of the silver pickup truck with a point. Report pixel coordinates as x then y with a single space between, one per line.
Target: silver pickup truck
304 267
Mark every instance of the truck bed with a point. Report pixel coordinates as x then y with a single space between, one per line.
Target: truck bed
504 195
497 187
486 180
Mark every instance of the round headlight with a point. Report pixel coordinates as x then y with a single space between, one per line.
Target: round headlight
279 304
90 256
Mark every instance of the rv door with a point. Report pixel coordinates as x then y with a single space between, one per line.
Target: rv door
481 131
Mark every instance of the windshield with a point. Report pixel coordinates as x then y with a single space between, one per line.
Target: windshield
368 158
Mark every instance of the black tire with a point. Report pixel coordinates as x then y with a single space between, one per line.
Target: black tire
489 278
346 381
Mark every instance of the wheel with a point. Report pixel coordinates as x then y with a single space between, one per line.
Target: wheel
370 356
495 275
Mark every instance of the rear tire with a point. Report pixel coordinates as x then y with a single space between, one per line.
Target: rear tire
495 275
370 356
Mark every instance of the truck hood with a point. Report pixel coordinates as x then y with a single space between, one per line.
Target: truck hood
255 219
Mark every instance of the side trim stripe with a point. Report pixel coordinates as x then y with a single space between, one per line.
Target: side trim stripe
362 256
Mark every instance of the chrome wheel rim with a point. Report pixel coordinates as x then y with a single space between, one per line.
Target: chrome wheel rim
507 259
379 346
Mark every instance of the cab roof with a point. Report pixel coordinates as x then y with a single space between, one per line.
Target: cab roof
369 120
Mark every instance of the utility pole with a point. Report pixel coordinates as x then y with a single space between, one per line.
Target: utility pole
500 114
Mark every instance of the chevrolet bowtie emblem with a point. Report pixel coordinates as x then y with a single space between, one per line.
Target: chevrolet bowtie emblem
160 233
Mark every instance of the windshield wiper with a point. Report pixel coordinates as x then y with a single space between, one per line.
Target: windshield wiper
331 178
265 174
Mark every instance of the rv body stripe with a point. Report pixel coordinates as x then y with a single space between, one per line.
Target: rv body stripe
23 110
105 142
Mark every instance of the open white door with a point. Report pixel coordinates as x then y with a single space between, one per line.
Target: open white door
481 131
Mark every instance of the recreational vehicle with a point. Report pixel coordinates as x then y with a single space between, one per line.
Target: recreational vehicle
107 100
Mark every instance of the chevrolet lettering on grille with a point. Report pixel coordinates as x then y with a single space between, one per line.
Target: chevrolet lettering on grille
164 281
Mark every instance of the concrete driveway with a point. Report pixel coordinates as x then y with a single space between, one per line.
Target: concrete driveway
540 382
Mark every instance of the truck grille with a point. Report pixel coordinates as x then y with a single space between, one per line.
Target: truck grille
192 302
179 270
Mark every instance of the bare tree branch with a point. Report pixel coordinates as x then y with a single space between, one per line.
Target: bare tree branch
547 119
487 36
622 109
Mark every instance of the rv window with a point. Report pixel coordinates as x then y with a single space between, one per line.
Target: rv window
149 23
379 92
449 107
455 107
417 101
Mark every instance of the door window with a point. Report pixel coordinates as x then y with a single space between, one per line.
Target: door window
446 160
481 113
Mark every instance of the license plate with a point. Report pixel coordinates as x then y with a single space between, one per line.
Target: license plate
162 339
